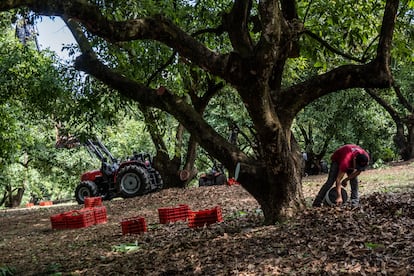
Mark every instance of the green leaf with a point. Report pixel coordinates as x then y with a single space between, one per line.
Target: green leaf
126 247
373 246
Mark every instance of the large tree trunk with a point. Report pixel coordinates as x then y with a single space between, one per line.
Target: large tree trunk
276 182
283 197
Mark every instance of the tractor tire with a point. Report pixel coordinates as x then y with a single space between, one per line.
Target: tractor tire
85 189
132 181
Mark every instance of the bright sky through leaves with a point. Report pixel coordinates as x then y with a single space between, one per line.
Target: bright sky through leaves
54 34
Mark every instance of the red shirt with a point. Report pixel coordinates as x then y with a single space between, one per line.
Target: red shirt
344 156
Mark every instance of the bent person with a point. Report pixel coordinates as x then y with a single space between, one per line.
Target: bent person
350 160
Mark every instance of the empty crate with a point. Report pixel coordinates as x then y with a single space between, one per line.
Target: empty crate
80 218
204 217
173 214
93 201
100 214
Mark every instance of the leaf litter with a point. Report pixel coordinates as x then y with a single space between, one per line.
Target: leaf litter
376 238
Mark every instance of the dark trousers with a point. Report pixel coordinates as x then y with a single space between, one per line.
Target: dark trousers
333 174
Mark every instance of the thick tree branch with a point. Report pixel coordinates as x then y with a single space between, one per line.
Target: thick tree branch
79 36
273 25
289 9
236 24
156 28
402 141
386 33
376 74
294 98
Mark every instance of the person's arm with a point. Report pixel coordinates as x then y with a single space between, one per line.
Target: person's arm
354 174
339 188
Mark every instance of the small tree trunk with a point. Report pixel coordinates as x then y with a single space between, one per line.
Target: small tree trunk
17 198
171 168
190 161
405 143
14 200
410 138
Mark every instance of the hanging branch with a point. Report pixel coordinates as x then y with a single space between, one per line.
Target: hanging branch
393 113
403 100
331 48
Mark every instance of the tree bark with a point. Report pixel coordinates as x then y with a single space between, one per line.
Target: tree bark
280 178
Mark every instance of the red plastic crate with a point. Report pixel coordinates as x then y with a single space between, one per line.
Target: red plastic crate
205 217
93 201
134 225
100 214
232 181
58 221
80 218
173 214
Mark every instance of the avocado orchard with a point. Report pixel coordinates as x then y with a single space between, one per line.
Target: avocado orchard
247 44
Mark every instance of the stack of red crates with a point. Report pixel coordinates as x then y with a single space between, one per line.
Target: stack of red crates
204 217
73 219
99 210
80 218
93 201
173 214
100 214
59 221
134 225
93 213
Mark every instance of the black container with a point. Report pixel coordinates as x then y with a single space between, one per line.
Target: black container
331 195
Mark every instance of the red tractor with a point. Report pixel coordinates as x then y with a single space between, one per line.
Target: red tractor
132 177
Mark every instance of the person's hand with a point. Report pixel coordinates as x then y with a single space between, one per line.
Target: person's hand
339 201
344 182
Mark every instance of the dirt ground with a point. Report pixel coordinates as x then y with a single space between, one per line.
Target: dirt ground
375 239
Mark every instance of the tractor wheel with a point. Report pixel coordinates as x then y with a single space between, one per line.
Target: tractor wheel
132 181
85 189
